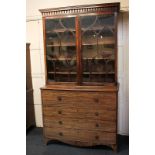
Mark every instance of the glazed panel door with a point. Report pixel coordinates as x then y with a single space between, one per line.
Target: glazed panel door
98 48
60 36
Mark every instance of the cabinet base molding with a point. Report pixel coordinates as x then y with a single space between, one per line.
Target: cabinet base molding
47 141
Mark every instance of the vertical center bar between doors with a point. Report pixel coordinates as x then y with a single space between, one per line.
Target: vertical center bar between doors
78 50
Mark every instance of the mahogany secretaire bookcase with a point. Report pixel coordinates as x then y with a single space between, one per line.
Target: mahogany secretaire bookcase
79 100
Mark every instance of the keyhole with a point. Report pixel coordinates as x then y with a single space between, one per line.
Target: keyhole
60 122
97 125
96 113
59 98
60 133
96 137
96 100
59 112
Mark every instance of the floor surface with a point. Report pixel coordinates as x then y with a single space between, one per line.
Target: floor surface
36 146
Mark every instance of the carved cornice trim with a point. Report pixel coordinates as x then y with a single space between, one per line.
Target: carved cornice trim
96 8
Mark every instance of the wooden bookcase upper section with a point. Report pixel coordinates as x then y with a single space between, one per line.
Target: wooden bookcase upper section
79 53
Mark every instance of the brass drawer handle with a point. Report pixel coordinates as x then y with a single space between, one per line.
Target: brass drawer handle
60 122
96 137
60 133
96 113
97 125
59 112
96 100
59 98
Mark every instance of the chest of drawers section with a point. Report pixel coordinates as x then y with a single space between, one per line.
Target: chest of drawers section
78 117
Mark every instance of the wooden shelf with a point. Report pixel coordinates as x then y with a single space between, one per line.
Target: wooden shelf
63 59
98 73
64 73
57 45
83 29
60 30
98 28
107 42
104 40
86 73
98 59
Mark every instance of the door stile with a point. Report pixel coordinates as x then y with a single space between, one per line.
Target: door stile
78 50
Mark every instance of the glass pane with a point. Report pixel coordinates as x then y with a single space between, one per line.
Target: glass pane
68 24
68 38
61 50
98 48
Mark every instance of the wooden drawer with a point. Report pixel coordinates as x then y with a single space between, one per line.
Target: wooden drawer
85 124
97 138
59 112
79 113
85 136
98 100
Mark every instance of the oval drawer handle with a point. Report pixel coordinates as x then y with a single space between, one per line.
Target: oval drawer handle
97 125
96 100
60 133
60 122
59 98
59 112
96 137
96 113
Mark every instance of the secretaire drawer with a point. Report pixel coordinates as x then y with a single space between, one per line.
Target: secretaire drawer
92 100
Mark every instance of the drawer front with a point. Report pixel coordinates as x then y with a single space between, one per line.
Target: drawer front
59 112
91 137
91 100
84 124
79 113
97 137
